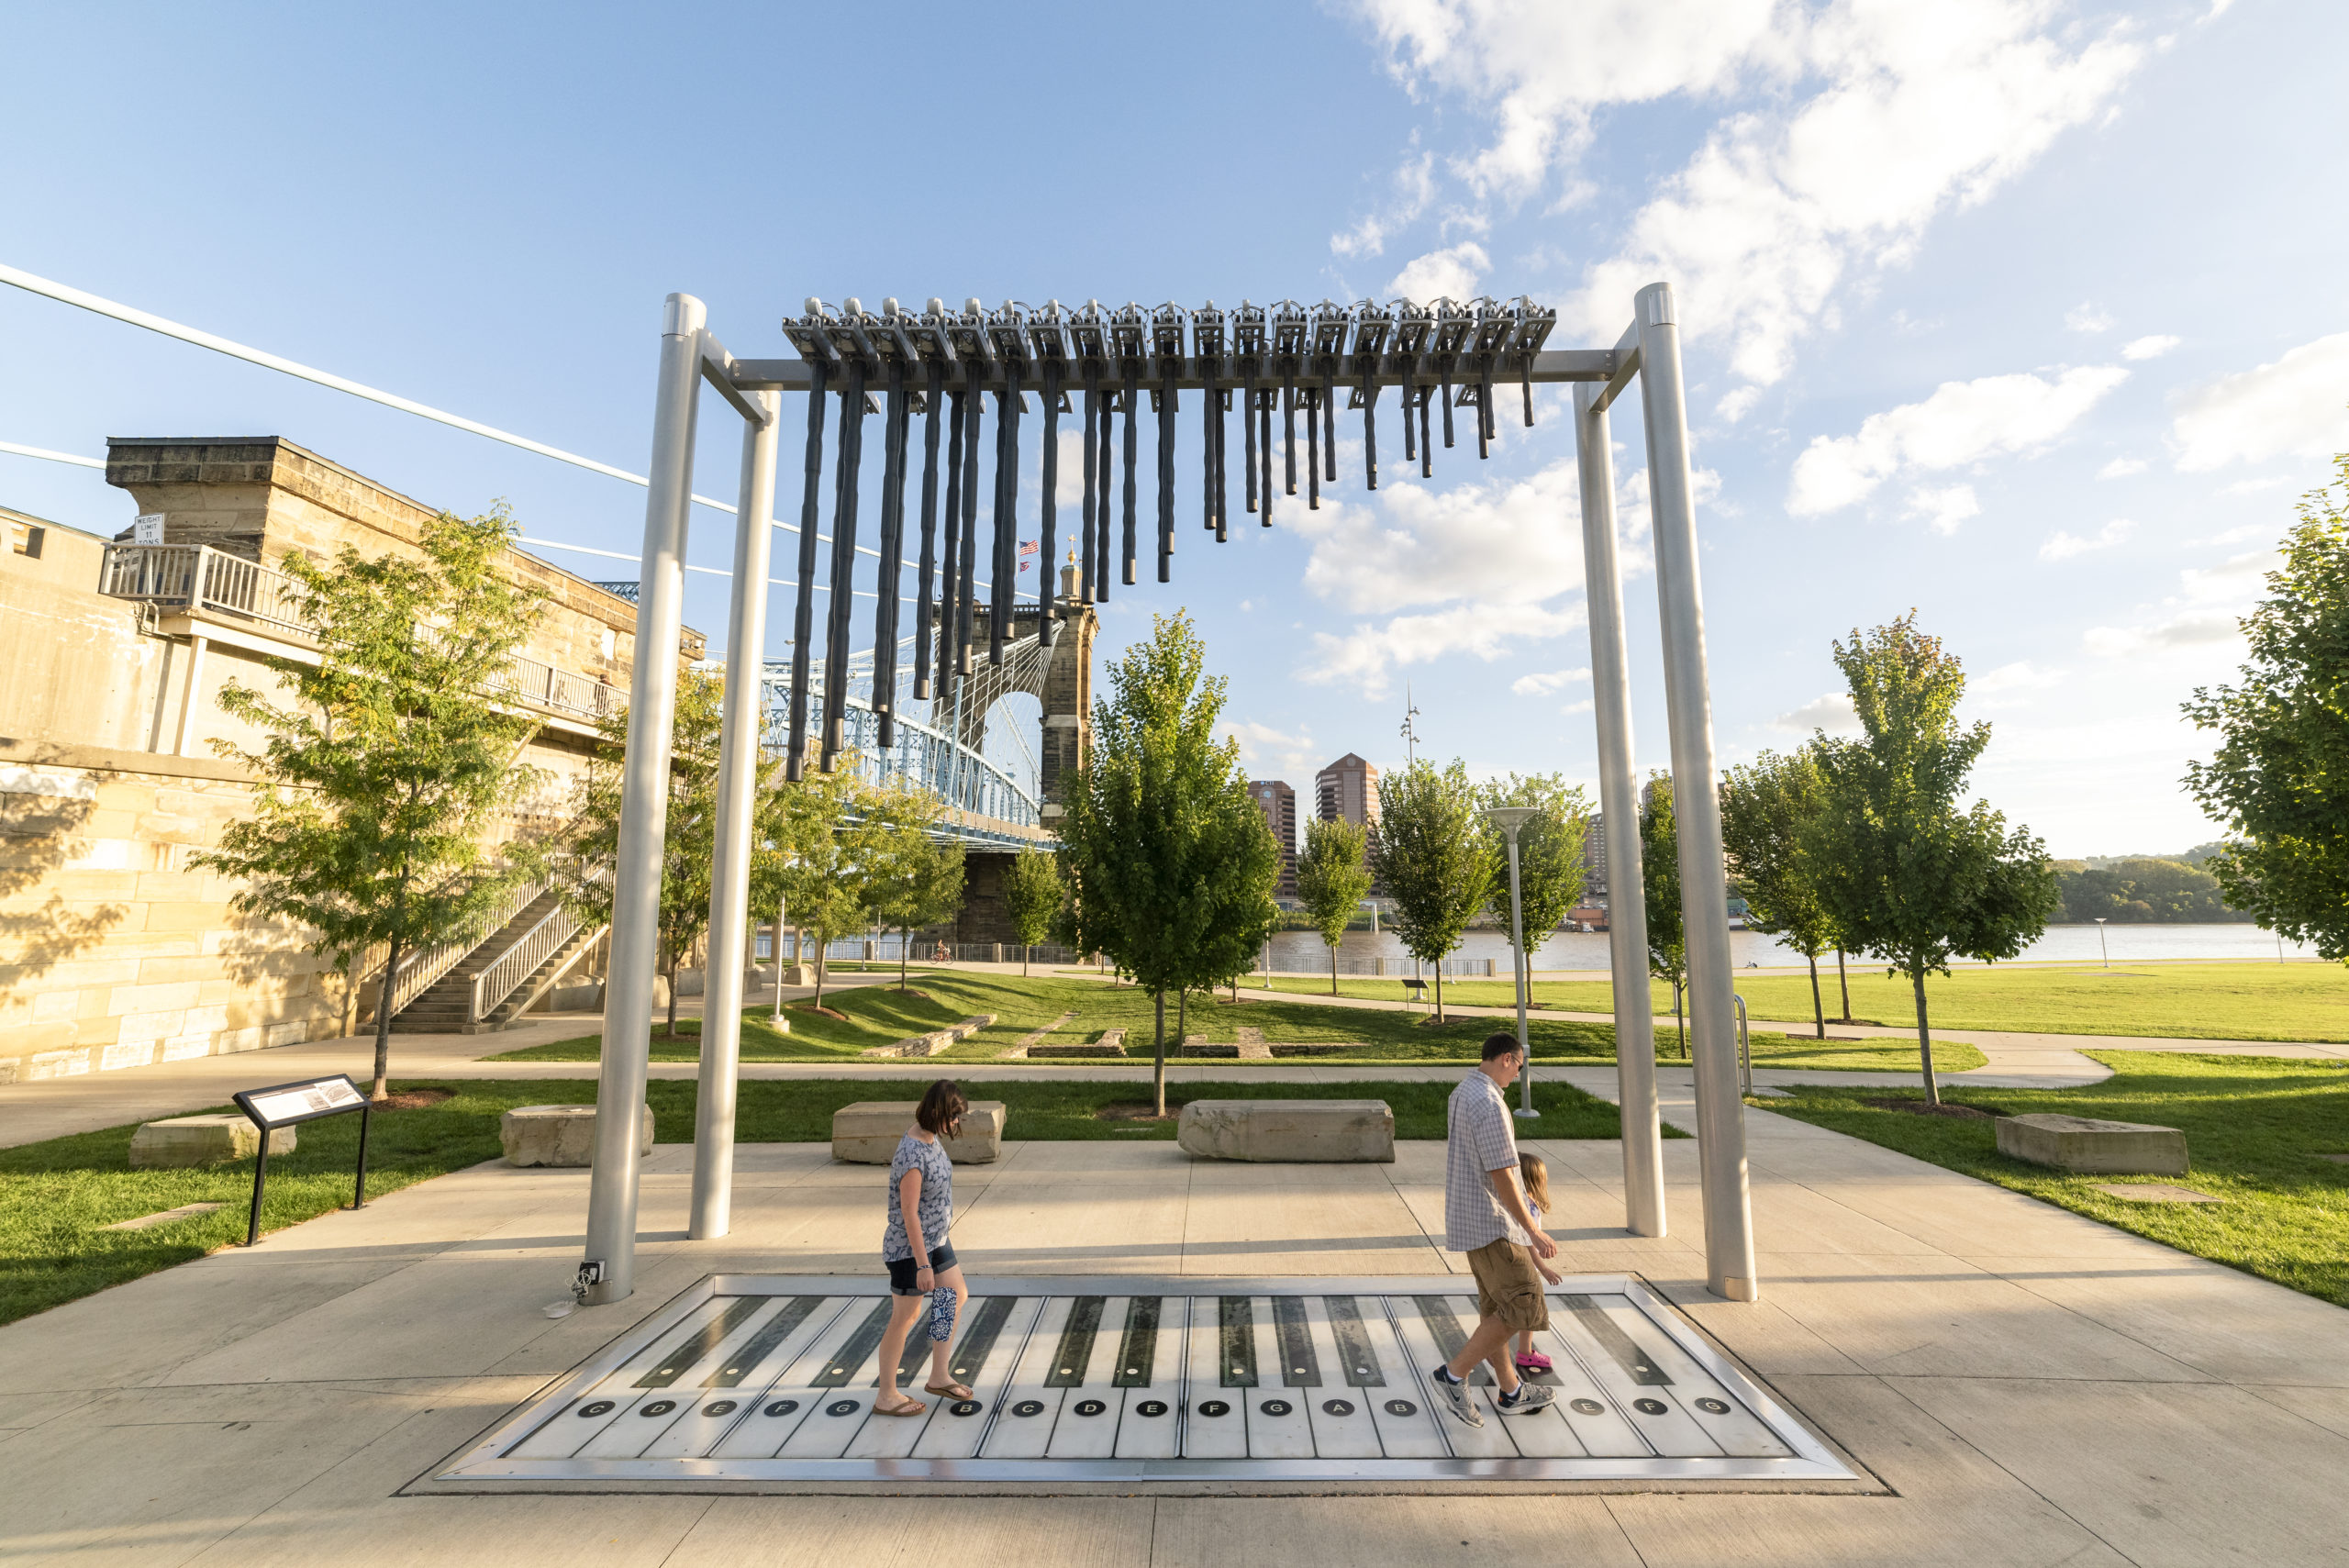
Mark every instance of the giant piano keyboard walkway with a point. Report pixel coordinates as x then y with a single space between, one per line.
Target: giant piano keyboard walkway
1118 1378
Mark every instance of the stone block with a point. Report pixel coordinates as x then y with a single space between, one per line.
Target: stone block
558 1135
1343 1131
934 1042
201 1141
2084 1143
587 997
866 1132
799 974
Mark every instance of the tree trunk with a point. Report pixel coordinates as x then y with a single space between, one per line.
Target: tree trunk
1679 1032
905 941
1025 949
1182 1019
1818 1008
1158 1073
383 1027
1439 990
819 977
669 1031
1333 969
1844 981
1925 1038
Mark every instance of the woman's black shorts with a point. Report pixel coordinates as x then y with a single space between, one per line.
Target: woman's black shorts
901 1272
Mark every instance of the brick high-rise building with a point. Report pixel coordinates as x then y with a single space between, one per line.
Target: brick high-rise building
1347 791
1278 803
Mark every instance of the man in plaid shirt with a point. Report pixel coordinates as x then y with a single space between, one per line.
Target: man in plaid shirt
1485 1216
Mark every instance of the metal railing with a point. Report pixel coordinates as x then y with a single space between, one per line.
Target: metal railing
505 973
198 577
421 967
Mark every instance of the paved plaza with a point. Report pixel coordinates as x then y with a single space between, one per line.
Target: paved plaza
2015 1383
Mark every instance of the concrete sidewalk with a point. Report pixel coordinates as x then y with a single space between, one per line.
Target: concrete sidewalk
2029 1386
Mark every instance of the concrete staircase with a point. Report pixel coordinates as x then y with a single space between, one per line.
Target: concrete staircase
445 1007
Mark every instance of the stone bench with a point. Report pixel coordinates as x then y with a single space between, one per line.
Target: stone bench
2083 1143
1348 1131
1112 1044
934 1042
202 1141
866 1132
558 1135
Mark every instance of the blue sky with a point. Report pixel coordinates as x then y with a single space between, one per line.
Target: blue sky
2031 316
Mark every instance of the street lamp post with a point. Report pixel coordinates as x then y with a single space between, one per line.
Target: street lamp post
1510 818
2100 948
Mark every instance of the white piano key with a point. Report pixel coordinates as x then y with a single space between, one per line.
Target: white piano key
955 1429
1215 1417
786 1400
841 1395
1538 1434
1337 1411
1279 1426
1488 1442
1587 1408
1150 1423
616 1392
1719 1413
895 1437
747 1366
1397 1401
1087 1424
1643 1398
1022 1421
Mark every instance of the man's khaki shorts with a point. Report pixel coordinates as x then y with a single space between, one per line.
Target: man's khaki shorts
1507 1287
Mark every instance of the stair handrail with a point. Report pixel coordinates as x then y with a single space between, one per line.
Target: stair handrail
503 975
421 968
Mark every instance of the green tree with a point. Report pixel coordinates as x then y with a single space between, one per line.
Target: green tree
1436 857
848 842
1660 880
1332 881
1767 809
1168 863
689 846
1032 896
2279 776
919 885
1906 873
387 770
1549 852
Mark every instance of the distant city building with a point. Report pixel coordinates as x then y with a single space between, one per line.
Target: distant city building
1347 791
1278 803
1594 859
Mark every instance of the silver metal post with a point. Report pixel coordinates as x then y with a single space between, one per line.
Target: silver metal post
1696 805
1618 804
1517 935
644 789
737 783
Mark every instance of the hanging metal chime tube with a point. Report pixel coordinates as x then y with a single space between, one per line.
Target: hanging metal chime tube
803 617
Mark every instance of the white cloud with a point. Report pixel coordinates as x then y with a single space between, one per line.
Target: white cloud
2088 317
2209 604
1583 706
2195 629
2018 677
1414 188
2121 468
2254 486
1269 753
2152 348
1963 422
1832 712
2062 546
1365 656
1944 509
1738 403
2232 579
1442 274
2293 405
1543 685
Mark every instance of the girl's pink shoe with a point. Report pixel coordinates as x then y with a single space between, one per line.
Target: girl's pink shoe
1533 1360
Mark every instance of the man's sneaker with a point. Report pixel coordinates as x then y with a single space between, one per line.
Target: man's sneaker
1454 1395
1528 1396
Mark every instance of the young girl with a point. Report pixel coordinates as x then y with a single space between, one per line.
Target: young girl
1536 1178
923 1273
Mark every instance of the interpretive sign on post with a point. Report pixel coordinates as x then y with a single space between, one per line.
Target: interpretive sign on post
286 1105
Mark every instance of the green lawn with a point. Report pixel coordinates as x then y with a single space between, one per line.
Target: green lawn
56 1195
2255 1131
879 1015
2189 1001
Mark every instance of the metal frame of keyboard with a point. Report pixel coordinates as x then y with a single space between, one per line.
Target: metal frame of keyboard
516 1452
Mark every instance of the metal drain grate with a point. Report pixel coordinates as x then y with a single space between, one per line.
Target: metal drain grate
749 1378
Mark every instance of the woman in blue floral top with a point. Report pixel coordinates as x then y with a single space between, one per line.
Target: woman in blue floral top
922 1270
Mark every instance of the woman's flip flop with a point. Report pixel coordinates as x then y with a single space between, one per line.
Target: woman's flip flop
952 1391
903 1408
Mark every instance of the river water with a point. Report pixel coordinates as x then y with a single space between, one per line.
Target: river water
1302 951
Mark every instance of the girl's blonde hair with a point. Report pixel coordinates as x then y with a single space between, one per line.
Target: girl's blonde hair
1537 1180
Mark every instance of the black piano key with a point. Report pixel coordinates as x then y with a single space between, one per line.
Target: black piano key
1354 1343
1236 1325
1449 1335
1075 1352
759 1346
841 1369
1139 1348
701 1342
1300 1367
981 1329
1619 1344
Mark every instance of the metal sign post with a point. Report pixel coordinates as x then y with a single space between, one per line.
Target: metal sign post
290 1104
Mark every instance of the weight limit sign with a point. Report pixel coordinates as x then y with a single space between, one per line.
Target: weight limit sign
750 1379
